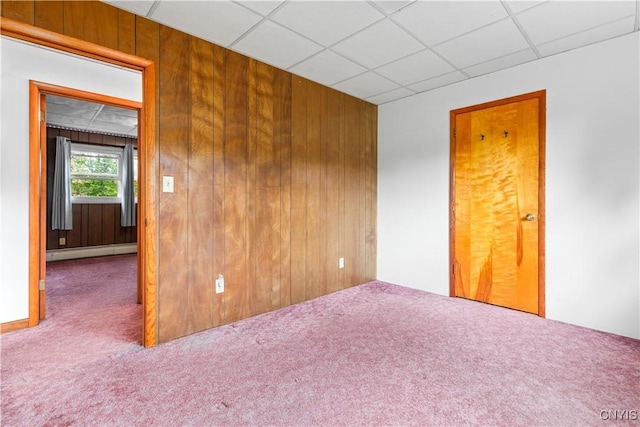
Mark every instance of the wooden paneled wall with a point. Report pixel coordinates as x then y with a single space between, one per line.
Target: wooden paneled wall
93 224
275 176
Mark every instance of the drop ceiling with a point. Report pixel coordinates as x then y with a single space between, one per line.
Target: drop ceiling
69 113
381 51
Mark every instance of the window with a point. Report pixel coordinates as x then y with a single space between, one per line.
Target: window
96 173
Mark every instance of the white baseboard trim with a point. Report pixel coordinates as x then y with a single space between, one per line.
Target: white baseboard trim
91 251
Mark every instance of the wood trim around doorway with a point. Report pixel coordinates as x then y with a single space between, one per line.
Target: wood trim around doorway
148 157
541 95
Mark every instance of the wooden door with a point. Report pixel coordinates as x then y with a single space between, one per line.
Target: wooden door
497 201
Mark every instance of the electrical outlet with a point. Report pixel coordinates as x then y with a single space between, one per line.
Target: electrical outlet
220 284
341 263
62 241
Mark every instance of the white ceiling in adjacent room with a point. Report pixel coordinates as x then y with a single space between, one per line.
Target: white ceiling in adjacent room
381 51
70 113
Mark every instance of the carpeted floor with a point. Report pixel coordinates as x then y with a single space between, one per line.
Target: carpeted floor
375 354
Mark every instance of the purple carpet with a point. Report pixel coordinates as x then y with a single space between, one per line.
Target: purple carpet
375 354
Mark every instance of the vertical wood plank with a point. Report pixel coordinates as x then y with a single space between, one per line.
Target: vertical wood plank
84 225
235 215
147 45
252 134
332 178
283 138
362 195
201 194
267 195
351 196
74 237
120 235
49 15
174 140
313 205
324 264
298 189
94 227
19 10
108 224
371 127
218 178
126 32
92 21
342 213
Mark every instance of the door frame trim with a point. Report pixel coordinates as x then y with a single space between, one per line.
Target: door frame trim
148 168
541 95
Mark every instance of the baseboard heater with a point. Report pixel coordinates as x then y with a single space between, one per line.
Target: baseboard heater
91 251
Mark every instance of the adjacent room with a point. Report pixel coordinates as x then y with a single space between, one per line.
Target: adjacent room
351 212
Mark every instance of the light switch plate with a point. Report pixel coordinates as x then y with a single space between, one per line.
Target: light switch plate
167 184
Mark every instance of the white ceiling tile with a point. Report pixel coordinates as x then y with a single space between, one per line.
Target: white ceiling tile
390 96
139 7
67 120
327 68
594 35
436 21
220 22
444 80
491 42
391 6
326 22
501 63
518 6
555 19
379 44
417 67
263 7
276 45
365 85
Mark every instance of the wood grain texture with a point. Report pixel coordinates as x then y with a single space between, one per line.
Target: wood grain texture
265 186
264 164
496 169
201 286
218 213
92 21
235 192
283 120
174 153
352 193
126 32
371 192
147 45
49 15
312 168
16 325
22 11
333 178
42 194
298 189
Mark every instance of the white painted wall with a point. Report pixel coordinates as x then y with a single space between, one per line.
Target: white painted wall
593 182
21 62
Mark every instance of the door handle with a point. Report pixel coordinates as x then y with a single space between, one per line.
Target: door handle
529 217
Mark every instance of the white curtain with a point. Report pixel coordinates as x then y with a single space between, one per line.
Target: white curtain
61 215
128 217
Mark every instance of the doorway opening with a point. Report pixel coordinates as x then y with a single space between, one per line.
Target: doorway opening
147 200
96 164
101 224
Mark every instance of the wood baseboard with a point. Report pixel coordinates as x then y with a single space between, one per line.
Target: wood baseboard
14 326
